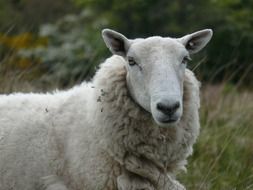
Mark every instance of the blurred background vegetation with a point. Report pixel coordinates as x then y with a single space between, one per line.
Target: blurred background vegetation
56 44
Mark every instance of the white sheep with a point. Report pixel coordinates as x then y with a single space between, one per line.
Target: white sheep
132 127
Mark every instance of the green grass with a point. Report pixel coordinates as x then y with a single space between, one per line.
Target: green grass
223 155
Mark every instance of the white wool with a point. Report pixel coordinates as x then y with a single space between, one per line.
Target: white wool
88 137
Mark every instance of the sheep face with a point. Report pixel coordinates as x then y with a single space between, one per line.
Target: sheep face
155 70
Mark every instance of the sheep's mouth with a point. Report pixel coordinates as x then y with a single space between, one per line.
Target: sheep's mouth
168 121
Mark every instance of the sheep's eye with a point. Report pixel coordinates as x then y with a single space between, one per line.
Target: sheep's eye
186 60
131 61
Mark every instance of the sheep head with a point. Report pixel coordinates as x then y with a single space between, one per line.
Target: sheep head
155 70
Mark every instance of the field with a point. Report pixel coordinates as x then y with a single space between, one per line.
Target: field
223 155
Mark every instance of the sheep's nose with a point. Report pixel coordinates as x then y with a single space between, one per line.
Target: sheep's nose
168 109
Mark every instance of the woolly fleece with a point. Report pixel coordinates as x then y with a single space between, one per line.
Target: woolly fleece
88 136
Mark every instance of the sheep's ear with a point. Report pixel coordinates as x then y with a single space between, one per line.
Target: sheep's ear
116 42
196 41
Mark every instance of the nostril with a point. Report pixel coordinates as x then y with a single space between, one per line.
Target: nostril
162 107
176 105
168 109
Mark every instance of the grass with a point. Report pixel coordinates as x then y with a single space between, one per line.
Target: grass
223 155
